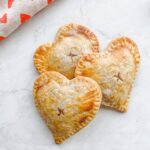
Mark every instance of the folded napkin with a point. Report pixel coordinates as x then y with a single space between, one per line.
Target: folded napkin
13 13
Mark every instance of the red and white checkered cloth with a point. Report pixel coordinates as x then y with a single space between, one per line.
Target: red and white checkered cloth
13 13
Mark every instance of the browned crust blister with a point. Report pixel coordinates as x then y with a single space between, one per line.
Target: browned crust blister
41 54
115 45
95 96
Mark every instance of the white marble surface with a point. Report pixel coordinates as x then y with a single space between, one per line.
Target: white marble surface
21 127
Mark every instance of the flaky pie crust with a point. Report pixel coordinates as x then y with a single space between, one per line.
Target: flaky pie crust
71 42
114 70
66 105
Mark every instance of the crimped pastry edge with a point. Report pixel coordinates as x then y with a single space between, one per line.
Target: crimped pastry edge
62 33
133 48
136 56
39 57
42 51
59 140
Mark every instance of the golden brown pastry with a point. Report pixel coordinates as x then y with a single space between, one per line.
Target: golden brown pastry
66 105
114 70
72 41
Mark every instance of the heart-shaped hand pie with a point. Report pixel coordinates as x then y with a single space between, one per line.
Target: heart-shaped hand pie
72 41
114 70
66 105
